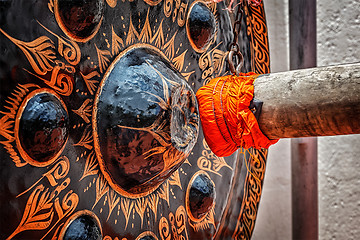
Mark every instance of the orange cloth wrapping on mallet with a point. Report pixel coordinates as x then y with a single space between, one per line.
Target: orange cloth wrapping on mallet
226 119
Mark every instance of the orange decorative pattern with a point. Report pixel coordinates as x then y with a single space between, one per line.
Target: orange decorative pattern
257 31
73 181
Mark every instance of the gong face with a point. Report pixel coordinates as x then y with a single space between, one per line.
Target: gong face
99 126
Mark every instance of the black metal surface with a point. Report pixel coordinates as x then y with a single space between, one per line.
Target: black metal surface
255 107
80 18
201 26
43 127
201 196
147 238
83 227
44 48
142 106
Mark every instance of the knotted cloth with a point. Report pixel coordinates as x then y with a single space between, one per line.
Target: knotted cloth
226 119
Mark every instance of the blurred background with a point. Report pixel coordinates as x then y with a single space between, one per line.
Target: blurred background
338 42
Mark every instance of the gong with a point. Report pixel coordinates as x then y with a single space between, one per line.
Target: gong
100 135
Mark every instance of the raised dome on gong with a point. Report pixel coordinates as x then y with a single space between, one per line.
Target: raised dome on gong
42 127
79 19
200 26
145 121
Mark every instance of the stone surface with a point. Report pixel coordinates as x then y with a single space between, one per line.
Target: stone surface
339 194
338 28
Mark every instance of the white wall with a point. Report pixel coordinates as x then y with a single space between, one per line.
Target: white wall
338 33
338 41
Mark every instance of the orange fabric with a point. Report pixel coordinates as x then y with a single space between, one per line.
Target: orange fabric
226 119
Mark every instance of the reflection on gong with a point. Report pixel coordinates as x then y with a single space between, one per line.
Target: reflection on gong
42 127
83 225
99 131
200 26
200 196
145 121
79 19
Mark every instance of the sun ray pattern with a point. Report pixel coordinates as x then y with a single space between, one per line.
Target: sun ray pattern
54 58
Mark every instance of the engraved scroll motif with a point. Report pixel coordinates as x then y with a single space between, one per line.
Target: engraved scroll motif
211 62
7 121
257 31
177 228
176 9
41 55
256 162
43 204
210 162
54 60
252 194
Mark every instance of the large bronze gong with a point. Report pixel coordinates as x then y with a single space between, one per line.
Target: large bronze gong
99 127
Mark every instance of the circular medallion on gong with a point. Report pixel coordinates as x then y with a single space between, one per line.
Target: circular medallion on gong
200 196
99 127
83 225
145 121
200 26
41 127
79 19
